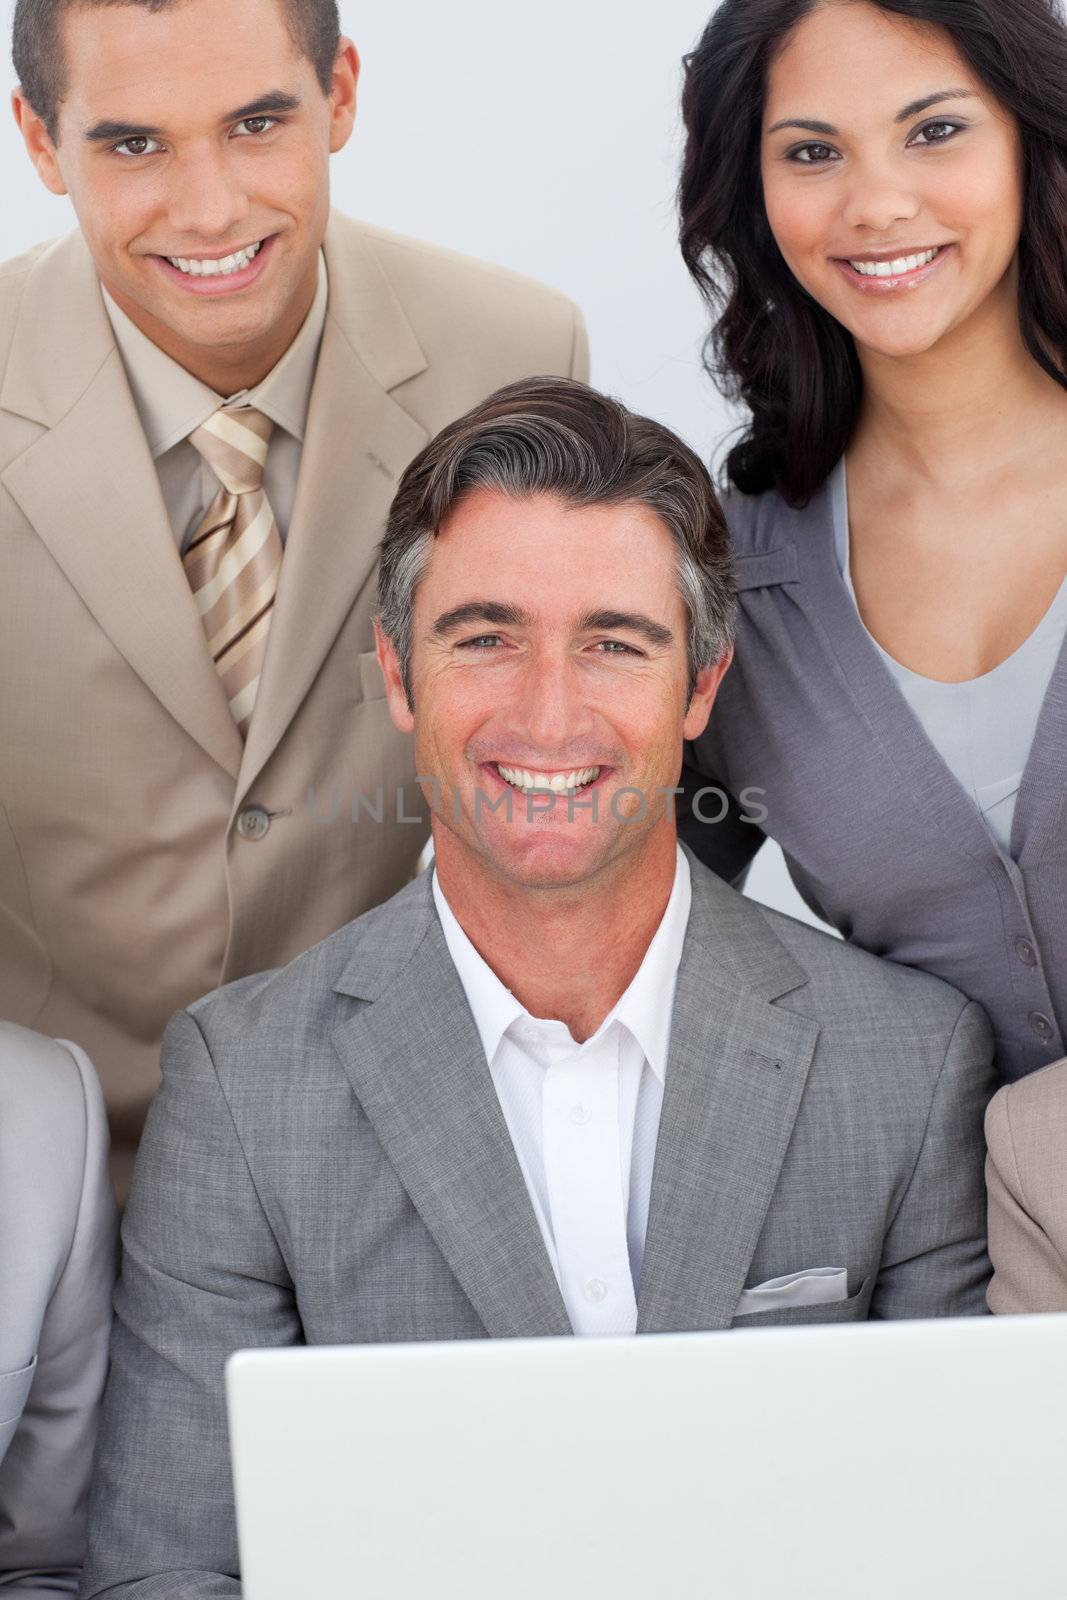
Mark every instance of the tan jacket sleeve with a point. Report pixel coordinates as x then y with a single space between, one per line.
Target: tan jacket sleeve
1027 1196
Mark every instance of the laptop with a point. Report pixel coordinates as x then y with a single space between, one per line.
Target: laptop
879 1460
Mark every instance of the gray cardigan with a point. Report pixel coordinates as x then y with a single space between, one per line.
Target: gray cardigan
879 837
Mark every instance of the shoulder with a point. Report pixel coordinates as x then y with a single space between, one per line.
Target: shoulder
264 1021
847 978
879 1021
765 532
53 1142
444 291
1026 1125
14 276
47 1092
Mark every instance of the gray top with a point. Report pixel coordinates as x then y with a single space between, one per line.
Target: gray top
983 727
879 836
327 1163
57 1267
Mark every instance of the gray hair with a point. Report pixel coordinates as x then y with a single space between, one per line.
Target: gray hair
556 436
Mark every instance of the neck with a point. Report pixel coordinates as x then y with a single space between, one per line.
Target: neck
568 953
969 406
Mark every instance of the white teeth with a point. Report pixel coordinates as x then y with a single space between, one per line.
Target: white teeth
893 269
557 782
196 267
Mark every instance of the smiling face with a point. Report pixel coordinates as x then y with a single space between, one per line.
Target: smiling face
194 143
549 679
892 179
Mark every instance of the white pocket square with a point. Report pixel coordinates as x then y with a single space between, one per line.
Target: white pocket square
817 1286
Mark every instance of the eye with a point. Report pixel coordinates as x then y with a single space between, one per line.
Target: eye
611 647
933 127
484 641
820 153
136 145
256 125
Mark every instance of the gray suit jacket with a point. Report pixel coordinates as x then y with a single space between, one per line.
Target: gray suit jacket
57 1267
327 1162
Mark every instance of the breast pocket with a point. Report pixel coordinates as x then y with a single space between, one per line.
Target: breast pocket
14 1392
854 1309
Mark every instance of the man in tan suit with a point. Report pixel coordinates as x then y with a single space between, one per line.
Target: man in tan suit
207 396
1026 1174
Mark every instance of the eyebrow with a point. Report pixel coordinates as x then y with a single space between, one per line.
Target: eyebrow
911 110
263 105
500 615
494 612
632 621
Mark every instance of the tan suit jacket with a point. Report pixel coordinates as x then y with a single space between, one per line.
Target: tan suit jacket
1026 1174
127 886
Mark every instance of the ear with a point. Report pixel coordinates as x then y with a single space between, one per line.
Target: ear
707 687
395 693
38 142
343 94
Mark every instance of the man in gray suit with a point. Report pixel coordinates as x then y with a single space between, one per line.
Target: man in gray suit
568 1081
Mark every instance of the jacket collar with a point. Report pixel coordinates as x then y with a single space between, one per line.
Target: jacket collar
737 1070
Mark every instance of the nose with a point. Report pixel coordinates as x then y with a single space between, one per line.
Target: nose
879 196
551 713
206 201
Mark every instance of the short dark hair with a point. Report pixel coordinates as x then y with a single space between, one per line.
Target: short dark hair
37 48
558 437
772 346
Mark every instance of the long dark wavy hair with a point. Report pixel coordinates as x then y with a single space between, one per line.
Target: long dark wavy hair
772 346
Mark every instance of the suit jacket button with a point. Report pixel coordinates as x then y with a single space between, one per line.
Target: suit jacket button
1041 1025
1026 952
253 822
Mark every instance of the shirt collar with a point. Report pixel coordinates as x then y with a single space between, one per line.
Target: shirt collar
493 1007
644 1008
171 402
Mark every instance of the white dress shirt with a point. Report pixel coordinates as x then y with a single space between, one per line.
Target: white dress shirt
171 403
584 1117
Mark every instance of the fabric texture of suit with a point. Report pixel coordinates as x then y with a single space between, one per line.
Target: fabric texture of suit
126 886
57 1267
327 1162
1026 1128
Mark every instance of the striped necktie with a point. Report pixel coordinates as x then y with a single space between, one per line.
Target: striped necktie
234 557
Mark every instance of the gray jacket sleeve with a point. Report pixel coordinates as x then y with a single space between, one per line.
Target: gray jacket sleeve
59 1300
934 1261
202 1276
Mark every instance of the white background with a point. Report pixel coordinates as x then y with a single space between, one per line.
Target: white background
543 137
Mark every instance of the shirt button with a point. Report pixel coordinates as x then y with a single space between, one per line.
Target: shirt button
1041 1025
580 1115
253 822
596 1290
1026 952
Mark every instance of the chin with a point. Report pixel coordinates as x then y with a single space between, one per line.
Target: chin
546 863
901 341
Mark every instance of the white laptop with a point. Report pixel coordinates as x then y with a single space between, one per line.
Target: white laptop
882 1461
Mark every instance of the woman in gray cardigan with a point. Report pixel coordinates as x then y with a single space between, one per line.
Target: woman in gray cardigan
57 1267
874 202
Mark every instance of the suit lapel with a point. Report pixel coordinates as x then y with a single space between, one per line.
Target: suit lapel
357 444
736 1074
416 1063
89 488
